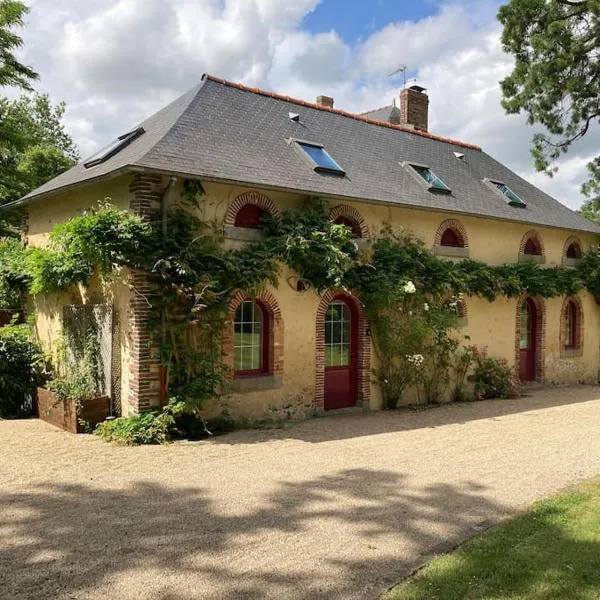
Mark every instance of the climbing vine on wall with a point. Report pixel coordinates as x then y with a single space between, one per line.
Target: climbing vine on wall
194 276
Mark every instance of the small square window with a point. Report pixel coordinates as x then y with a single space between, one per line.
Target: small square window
320 159
435 184
511 198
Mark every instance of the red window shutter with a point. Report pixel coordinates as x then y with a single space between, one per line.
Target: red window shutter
531 247
450 238
249 216
573 251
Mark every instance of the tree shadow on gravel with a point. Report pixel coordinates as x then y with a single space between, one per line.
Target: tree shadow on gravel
352 425
312 540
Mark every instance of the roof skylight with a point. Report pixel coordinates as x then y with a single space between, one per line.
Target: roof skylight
434 182
511 198
320 159
112 148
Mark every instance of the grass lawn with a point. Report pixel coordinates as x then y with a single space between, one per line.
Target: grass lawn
549 553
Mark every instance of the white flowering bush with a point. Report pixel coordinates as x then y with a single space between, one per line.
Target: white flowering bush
409 288
413 342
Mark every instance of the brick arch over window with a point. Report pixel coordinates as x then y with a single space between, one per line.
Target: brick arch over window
255 198
567 347
349 215
531 244
572 248
275 342
364 349
540 340
457 228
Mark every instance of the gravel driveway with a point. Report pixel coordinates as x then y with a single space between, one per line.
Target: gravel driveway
335 508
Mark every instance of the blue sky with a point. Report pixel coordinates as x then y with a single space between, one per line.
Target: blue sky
355 20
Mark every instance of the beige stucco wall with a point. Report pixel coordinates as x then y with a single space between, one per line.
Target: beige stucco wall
43 216
491 325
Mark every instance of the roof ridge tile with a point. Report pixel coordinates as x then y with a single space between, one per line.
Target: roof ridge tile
337 111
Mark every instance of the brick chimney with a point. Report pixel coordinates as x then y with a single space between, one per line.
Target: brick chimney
325 101
414 107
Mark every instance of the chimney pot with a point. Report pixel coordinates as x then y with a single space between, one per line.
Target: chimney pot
414 108
325 101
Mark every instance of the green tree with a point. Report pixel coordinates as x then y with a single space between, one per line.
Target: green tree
12 72
34 146
556 77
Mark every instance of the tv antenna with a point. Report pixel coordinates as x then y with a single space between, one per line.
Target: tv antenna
400 69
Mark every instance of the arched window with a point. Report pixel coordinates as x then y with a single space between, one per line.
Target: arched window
351 218
350 223
574 250
572 325
246 211
251 339
249 216
452 238
531 245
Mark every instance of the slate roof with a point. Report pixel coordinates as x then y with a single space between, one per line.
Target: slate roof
224 131
390 113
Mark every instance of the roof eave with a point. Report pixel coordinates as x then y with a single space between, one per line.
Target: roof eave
29 199
341 197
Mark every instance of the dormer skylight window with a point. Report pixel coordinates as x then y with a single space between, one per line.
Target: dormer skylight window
318 157
434 183
112 148
511 198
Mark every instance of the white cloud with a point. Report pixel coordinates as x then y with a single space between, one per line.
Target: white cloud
116 61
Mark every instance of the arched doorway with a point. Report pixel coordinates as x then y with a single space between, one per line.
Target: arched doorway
340 334
528 340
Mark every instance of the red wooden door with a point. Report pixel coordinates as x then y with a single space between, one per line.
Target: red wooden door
341 336
527 341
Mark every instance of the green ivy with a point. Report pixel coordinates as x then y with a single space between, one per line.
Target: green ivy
309 243
195 277
402 257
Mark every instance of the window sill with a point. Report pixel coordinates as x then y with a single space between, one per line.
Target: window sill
571 262
571 353
532 258
450 251
244 234
254 384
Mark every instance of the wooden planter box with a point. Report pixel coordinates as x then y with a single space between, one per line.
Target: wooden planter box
64 415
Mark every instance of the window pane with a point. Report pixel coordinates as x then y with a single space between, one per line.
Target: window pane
513 199
321 158
337 335
570 326
344 355
431 178
112 148
524 341
248 338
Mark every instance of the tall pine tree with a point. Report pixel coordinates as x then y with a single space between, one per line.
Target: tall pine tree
556 78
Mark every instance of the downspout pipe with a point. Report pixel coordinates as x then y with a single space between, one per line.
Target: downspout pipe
164 212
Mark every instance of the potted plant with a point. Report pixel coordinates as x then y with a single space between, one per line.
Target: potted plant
72 400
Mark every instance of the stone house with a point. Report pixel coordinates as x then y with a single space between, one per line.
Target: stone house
256 151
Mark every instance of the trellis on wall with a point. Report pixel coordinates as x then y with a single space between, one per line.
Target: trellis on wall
98 325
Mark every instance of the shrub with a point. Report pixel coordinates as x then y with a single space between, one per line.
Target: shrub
493 378
80 379
463 361
22 370
153 427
